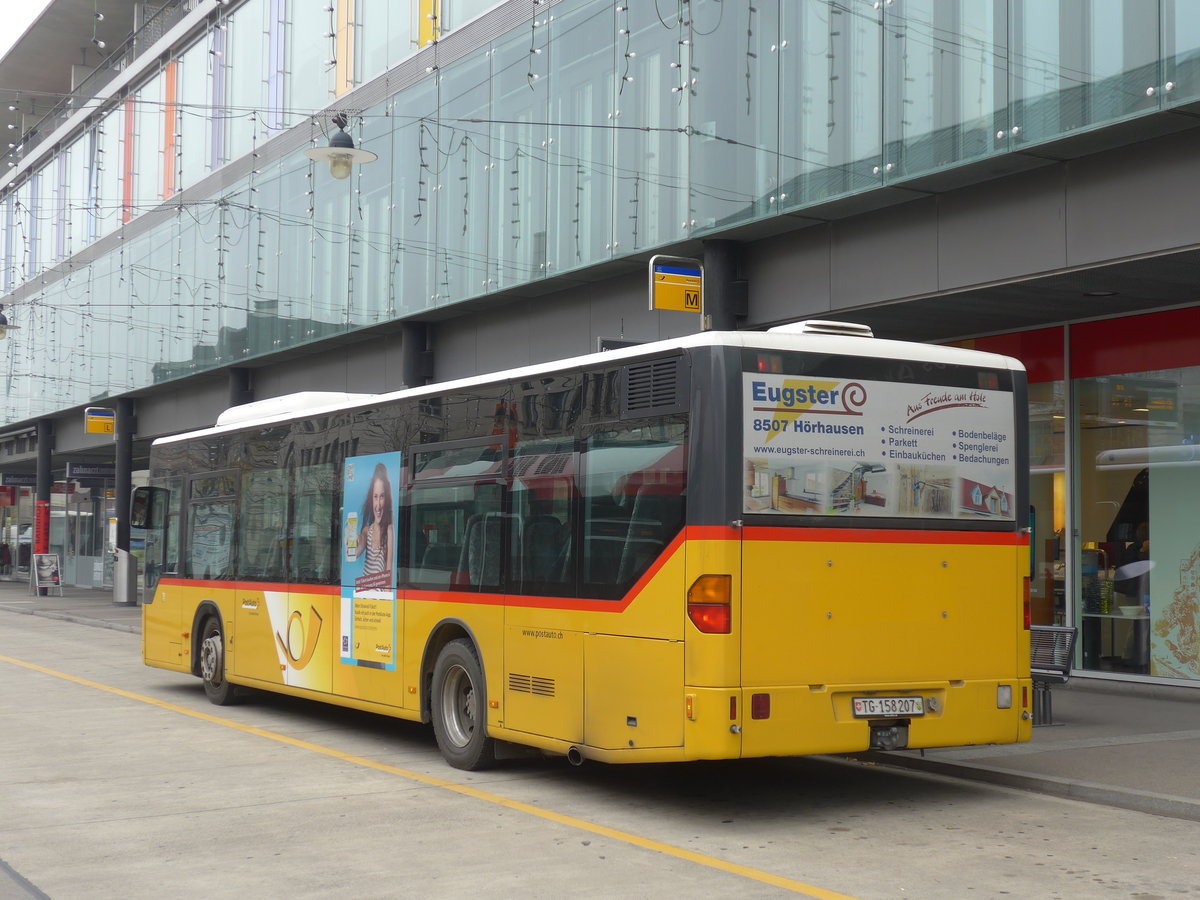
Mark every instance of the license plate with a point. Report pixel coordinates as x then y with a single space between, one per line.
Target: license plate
887 707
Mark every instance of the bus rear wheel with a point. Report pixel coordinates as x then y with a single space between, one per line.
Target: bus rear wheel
212 664
459 708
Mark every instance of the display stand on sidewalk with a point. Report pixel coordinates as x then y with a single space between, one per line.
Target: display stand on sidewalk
45 573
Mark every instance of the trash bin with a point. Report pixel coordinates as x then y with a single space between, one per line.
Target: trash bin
125 579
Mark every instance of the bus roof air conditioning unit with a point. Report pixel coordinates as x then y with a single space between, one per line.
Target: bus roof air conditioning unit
824 326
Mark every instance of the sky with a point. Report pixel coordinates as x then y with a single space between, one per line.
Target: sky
17 17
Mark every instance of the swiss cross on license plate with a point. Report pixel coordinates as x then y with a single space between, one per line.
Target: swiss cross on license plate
887 707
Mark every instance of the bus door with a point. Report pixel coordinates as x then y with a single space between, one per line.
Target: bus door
162 600
263 628
209 534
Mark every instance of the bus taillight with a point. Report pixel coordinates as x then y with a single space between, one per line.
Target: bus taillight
1028 608
708 604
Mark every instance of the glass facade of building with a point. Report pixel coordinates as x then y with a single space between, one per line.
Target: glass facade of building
167 235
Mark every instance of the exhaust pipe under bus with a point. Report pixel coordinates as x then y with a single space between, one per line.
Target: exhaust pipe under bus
574 757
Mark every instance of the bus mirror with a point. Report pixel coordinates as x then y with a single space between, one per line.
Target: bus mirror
147 507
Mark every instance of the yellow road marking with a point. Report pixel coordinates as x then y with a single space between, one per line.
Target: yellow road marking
626 837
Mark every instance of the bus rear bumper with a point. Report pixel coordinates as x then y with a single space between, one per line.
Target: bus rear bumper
817 719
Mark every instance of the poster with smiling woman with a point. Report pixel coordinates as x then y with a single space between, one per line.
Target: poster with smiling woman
370 511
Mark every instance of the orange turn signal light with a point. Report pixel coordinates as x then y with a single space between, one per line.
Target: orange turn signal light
709 603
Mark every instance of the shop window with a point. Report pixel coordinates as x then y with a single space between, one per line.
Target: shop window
1136 384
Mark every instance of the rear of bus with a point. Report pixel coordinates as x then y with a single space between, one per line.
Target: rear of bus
878 508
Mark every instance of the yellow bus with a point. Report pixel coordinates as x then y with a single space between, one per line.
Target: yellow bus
743 544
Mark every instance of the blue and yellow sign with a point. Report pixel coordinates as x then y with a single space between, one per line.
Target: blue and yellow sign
676 284
99 420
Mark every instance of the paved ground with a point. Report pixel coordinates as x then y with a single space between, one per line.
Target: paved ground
1126 745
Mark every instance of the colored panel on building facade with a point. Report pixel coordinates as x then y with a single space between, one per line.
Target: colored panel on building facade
127 138
170 93
344 30
427 16
1135 344
1041 351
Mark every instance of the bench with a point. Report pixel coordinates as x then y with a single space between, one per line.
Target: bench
1051 654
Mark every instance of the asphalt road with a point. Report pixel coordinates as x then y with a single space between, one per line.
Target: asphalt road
117 780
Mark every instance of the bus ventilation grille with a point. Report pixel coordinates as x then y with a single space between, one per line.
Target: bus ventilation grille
652 386
531 684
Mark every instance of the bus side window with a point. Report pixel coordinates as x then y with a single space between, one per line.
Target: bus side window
543 505
314 524
211 525
633 495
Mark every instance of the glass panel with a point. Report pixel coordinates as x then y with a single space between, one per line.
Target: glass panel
162 541
633 485
581 139
108 168
414 177
385 33
734 114
651 164
456 537
948 101
147 160
459 461
371 219
333 202
310 60
294 253
263 531
1079 63
468 168
78 185
831 104
211 520
194 93
456 13
543 492
246 55
314 526
1181 50
517 204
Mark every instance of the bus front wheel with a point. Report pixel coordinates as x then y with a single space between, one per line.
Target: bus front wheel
212 664
459 707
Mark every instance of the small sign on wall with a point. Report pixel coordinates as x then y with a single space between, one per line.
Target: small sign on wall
99 420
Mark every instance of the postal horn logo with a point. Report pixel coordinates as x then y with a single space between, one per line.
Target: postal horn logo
301 641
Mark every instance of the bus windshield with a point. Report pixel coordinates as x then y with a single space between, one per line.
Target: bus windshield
877 438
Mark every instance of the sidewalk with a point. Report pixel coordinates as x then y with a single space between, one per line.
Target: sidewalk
85 606
1126 745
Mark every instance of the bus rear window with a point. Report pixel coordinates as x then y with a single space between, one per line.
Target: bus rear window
942 447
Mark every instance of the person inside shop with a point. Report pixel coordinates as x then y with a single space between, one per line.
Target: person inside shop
5 559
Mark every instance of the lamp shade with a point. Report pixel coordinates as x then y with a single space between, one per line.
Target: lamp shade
341 154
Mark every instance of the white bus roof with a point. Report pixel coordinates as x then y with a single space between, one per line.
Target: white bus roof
307 403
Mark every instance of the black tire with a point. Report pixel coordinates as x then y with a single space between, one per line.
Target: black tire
212 664
458 703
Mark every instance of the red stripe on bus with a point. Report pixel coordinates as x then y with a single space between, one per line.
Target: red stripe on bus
880 536
276 587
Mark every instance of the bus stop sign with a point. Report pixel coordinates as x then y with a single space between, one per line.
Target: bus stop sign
99 420
676 284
